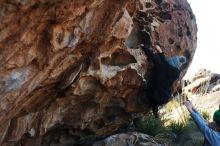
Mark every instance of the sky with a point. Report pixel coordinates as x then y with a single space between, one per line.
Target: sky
207 54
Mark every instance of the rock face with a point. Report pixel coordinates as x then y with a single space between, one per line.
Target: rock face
75 67
129 139
202 82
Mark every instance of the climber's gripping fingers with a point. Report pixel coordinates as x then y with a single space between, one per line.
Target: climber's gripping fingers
158 49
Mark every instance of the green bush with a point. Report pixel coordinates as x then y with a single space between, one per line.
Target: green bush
206 115
198 142
150 125
170 106
179 128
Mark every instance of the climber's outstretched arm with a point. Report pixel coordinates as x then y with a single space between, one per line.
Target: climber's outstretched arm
154 57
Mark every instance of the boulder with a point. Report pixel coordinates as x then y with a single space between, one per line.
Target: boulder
77 65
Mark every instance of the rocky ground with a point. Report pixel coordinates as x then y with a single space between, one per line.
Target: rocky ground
129 139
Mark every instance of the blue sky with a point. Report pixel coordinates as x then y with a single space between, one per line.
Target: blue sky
207 54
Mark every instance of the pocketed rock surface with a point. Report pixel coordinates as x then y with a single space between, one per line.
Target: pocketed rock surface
76 65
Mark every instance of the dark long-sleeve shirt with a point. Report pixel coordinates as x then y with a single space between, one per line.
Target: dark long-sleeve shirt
212 137
160 84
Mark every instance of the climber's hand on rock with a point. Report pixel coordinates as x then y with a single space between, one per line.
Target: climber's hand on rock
158 49
141 45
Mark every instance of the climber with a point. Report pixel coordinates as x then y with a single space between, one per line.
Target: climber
165 72
211 132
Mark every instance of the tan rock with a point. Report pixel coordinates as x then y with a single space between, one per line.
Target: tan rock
129 139
76 64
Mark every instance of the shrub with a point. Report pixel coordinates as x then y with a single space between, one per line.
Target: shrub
198 142
170 106
179 128
206 115
150 125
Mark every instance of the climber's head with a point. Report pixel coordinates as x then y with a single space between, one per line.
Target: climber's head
177 61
